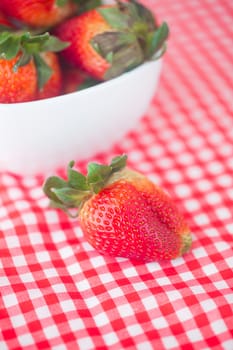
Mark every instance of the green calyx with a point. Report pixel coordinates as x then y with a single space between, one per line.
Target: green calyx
4 27
134 39
87 5
82 5
88 82
61 3
73 192
29 46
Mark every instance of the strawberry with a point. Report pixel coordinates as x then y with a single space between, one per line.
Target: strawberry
121 212
54 84
4 21
27 63
37 13
19 86
109 40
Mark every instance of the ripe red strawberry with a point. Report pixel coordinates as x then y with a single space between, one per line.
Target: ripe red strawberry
109 40
37 13
19 86
54 84
28 68
4 21
121 212
79 31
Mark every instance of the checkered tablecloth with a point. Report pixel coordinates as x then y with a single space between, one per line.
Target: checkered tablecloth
57 292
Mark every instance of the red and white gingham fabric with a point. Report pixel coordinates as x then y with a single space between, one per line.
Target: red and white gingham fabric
58 293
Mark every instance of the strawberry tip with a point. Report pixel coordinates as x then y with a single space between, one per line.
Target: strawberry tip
186 243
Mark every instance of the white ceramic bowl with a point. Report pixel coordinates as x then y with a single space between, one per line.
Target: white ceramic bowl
40 136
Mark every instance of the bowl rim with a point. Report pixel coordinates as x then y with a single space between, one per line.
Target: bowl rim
101 85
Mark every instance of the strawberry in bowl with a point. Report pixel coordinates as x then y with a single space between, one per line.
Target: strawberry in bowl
121 212
4 23
29 67
37 13
110 40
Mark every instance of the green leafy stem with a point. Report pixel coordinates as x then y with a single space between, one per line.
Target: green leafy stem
73 192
